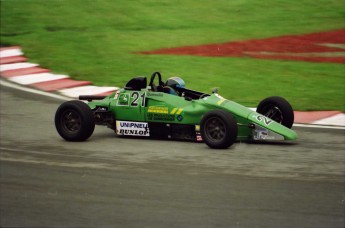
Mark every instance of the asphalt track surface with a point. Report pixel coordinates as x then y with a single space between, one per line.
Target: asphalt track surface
110 181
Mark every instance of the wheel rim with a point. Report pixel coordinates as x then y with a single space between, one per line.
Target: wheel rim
215 129
273 112
71 121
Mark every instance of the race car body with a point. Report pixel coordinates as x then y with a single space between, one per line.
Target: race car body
155 111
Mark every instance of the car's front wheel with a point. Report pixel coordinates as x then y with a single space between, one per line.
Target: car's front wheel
277 109
218 129
74 121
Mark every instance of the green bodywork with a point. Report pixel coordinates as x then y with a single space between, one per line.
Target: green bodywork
147 106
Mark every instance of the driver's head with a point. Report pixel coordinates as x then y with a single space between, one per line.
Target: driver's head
175 82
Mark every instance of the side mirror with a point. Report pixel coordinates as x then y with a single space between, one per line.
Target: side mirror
215 90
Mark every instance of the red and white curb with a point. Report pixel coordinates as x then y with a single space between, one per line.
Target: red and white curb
15 68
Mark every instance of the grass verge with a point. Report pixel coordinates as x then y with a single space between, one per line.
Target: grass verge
96 41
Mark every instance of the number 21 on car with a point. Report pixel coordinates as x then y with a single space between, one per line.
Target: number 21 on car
133 103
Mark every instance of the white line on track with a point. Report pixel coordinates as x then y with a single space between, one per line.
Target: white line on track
84 161
49 153
318 126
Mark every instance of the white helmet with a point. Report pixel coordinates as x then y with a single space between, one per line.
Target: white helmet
175 82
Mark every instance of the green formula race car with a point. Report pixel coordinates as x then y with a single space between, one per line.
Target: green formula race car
168 110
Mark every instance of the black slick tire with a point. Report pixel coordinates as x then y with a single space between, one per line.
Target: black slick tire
218 129
277 109
74 121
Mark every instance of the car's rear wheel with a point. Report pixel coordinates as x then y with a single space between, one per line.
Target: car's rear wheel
218 129
74 121
277 109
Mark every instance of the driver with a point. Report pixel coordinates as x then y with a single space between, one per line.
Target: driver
172 85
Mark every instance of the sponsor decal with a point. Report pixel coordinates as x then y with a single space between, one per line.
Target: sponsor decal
161 113
155 94
262 134
198 134
267 121
132 128
220 101
179 118
158 109
176 111
198 137
160 117
123 99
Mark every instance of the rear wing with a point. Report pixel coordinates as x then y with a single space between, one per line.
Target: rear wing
91 97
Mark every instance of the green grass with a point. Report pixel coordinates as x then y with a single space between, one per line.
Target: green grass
96 41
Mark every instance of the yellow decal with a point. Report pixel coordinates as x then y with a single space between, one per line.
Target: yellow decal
157 109
173 111
220 101
179 111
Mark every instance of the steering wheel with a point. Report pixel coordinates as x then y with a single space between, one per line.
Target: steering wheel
152 84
